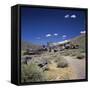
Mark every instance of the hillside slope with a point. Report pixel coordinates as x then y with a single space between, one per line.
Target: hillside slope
80 40
29 45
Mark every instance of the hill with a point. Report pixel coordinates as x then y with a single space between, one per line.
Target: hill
29 45
80 40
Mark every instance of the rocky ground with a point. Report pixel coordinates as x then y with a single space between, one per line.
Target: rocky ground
70 66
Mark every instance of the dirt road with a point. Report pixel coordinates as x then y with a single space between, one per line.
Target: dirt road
78 66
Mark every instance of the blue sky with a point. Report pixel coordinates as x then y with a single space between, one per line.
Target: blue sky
40 26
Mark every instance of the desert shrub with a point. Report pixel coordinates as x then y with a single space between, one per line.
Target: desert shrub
66 54
61 62
74 53
80 56
32 73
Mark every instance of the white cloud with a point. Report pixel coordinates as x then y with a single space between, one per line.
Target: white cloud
55 34
73 16
64 36
66 16
48 35
70 16
82 32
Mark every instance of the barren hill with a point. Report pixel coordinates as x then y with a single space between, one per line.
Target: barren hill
29 45
80 40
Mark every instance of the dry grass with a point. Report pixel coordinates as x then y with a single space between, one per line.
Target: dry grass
58 73
57 67
61 62
32 73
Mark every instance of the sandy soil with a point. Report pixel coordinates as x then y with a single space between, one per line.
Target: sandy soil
75 70
78 66
58 73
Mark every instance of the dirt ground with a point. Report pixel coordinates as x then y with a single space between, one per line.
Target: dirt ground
78 67
75 70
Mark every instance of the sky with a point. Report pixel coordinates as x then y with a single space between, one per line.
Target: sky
40 26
